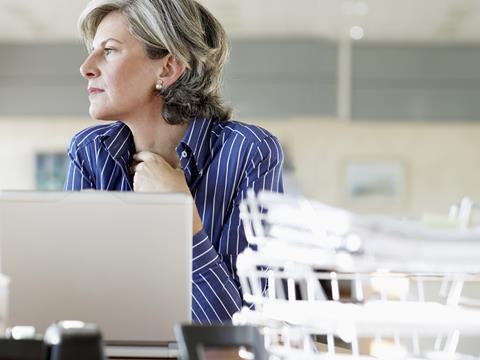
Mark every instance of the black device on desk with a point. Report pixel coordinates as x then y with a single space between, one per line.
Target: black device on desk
64 340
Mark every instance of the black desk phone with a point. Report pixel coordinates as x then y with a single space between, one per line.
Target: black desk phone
64 340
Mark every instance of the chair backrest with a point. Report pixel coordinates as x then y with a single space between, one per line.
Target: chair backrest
192 338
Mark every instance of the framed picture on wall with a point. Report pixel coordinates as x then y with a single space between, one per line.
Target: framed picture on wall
375 184
50 170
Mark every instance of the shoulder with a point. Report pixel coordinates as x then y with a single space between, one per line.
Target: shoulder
251 133
257 143
93 133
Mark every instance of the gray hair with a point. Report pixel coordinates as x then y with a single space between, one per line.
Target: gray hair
184 29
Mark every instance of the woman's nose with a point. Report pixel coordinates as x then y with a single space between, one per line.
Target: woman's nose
88 68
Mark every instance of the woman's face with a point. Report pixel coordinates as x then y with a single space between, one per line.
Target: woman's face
121 78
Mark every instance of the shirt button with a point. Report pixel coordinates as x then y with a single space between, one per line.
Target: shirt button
184 154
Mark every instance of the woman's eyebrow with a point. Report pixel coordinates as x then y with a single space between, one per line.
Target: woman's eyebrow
107 40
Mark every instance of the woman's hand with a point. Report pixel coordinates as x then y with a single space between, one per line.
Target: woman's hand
154 174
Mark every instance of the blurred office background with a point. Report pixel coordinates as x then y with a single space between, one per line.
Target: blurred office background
376 102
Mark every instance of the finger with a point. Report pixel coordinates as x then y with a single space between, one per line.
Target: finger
133 165
137 181
144 156
137 167
147 156
134 181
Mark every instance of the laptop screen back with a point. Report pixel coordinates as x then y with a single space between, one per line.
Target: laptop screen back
119 260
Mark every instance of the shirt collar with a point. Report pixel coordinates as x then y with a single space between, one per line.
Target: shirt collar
196 143
118 141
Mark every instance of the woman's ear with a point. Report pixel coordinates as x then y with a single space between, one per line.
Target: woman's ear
171 70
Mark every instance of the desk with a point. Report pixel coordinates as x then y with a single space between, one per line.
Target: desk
209 355
232 354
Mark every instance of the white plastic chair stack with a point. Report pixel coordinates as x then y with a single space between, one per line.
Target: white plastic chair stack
372 287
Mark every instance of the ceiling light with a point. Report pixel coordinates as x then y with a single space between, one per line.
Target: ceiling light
357 33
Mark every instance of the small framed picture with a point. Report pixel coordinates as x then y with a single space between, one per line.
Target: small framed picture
50 170
375 185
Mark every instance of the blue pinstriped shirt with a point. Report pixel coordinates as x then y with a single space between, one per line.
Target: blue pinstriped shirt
221 160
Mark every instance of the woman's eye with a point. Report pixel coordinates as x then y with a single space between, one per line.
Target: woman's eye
107 51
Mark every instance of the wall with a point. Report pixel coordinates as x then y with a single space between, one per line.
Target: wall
44 79
441 161
416 82
22 138
275 78
289 86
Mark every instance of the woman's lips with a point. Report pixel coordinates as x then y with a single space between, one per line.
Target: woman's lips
93 91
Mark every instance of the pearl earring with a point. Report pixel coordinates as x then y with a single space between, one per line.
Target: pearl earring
159 85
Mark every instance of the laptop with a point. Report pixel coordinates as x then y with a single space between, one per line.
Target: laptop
119 260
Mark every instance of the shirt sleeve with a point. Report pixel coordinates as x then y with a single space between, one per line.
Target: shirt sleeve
78 174
216 292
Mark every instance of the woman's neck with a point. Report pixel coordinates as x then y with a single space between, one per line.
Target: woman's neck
152 133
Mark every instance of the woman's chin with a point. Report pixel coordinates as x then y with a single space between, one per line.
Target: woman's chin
99 114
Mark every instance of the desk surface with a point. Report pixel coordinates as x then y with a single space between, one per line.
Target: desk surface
209 355
232 354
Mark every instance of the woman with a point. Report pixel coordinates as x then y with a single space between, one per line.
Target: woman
155 66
